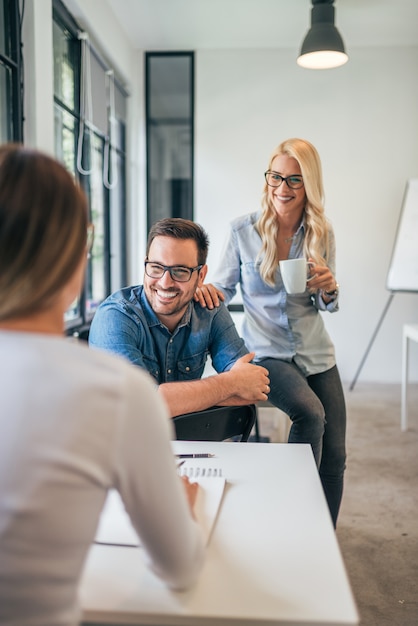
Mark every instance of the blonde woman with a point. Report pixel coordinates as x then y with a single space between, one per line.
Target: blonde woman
74 422
287 332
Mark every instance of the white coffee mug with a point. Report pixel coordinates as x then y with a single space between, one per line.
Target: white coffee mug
295 274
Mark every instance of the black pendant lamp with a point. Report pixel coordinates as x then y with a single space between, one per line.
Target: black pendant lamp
323 47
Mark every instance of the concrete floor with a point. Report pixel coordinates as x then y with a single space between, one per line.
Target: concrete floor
378 524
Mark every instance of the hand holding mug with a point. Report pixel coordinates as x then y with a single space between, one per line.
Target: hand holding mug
295 274
322 279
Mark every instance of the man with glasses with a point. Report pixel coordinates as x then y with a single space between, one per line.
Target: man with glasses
159 327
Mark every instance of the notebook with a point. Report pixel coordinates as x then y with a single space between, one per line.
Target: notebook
115 526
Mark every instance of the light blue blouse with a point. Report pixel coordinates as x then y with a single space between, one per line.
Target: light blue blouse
277 325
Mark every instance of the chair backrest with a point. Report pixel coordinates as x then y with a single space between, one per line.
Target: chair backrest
216 424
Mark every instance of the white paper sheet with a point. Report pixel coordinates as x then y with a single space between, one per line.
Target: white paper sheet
115 526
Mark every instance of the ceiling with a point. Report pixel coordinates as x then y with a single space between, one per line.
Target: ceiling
208 24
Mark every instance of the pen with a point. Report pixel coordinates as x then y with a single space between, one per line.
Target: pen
195 456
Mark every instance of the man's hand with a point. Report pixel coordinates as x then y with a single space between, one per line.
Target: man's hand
249 383
208 296
244 383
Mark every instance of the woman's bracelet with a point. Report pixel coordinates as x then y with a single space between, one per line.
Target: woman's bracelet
332 294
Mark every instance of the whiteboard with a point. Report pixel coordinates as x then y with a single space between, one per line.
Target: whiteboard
403 270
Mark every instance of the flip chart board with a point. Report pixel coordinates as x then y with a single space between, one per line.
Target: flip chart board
403 270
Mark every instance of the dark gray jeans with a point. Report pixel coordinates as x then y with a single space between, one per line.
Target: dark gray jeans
316 406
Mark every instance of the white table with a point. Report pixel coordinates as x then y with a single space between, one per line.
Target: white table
273 557
409 333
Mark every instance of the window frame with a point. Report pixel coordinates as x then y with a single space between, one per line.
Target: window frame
11 59
188 213
104 242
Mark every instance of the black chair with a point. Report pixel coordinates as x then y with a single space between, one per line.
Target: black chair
216 424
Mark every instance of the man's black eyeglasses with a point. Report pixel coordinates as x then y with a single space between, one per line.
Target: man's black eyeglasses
179 273
275 180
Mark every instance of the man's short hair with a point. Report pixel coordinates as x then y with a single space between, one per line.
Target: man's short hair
179 228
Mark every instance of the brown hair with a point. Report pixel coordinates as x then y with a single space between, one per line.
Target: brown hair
179 228
43 230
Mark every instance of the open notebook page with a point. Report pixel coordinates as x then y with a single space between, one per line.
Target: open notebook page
115 526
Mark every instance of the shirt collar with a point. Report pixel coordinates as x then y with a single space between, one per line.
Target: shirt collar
301 227
152 319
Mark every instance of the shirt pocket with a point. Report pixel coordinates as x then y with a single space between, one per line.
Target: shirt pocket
192 367
152 366
252 281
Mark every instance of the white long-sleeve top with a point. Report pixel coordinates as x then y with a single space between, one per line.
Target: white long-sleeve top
74 423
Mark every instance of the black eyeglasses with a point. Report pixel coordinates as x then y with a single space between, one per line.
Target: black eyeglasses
179 273
275 180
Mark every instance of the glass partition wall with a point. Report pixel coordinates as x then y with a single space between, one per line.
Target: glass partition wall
169 124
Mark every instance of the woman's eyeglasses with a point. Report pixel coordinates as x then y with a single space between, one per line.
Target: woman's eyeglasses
275 180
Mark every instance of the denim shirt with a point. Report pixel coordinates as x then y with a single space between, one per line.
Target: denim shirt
126 325
276 325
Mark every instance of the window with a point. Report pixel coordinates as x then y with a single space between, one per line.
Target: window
11 107
169 128
90 114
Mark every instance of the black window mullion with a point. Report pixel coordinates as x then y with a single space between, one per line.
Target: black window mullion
11 60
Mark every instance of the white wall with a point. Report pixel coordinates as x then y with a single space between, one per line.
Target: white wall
363 119
38 75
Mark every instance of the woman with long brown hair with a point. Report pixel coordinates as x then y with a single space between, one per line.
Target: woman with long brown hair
74 422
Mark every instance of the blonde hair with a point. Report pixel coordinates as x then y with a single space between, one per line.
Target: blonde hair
316 224
43 230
